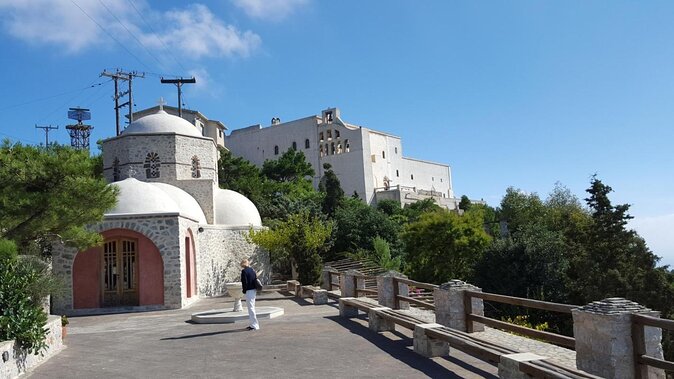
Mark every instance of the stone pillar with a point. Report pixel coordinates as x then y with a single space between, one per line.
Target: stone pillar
426 346
386 291
291 285
450 306
509 365
603 332
325 284
348 282
346 310
377 323
320 297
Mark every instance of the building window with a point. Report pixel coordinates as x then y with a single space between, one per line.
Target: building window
276 150
412 176
294 145
320 137
321 151
220 132
327 149
347 148
336 133
332 148
115 170
383 154
329 134
432 178
152 165
328 116
306 143
397 174
196 167
440 180
339 147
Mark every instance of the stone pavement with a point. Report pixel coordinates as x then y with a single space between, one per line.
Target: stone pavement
308 341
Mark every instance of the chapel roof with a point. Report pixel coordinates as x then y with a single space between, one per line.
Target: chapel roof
232 208
161 123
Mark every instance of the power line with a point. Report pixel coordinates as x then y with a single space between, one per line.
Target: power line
109 35
61 106
129 31
46 129
79 90
17 138
156 35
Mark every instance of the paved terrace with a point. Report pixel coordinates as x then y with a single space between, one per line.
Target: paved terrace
309 341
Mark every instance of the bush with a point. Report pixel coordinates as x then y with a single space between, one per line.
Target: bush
8 250
22 317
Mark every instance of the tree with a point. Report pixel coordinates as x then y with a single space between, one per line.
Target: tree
356 224
237 174
519 209
50 192
441 246
415 210
301 239
382 255
465 203
330 186
389 207
291 166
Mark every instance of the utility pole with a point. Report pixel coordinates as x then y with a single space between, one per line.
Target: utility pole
46 128
179 83
128 77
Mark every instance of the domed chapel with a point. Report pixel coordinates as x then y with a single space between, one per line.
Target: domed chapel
173 236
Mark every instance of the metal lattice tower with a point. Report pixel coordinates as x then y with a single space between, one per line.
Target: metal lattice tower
79 133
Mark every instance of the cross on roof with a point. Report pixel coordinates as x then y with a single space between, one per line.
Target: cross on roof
161 103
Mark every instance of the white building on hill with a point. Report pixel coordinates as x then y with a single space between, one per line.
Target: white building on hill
367 162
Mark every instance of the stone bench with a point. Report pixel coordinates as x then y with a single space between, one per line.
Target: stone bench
295 287
318 295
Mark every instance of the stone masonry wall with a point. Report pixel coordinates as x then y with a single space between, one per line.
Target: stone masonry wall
20 362
220 252
163 231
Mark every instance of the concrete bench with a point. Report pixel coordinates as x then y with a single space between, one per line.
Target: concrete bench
318 295
295 287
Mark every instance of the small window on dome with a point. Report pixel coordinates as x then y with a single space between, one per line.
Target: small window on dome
294 145
152 165
276 150
306 143
196 167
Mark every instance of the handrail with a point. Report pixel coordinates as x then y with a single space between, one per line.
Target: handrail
418 302
538 304
554 338
414 283
639 322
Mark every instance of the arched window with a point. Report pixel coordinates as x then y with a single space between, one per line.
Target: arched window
383 154
321 151
397 174
347 147
412 176
332 150
336 133
329 134
294 145
115 170
196 167
320 136
306 143
276 150
152 165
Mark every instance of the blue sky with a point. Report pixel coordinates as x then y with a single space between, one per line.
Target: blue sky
518 93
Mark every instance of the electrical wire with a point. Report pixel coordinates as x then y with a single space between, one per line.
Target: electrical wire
131 33
65 103
109 35
51 96
156 35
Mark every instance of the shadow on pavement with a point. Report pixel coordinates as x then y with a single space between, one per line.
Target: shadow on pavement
400 351
204 334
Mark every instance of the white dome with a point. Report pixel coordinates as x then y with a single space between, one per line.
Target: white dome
232 208
161 122
136 197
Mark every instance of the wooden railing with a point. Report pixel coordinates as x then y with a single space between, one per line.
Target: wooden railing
639 322
364 291
554 338
332 283
423 299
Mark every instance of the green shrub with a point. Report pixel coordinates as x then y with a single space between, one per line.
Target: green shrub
22 317
8 250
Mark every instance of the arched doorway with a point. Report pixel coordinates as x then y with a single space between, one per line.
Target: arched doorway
190 265
127 270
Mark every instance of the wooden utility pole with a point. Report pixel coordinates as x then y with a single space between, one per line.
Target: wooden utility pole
179 83
128 77
46 128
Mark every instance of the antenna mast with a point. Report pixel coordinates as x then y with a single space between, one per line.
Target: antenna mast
46 128
128 77
179 83
79 133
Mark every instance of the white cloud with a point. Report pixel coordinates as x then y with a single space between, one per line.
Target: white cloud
196 32
269 9
204 84
193 32
657 231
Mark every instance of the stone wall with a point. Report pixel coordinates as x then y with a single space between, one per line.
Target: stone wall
219 254
163 231
19 362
